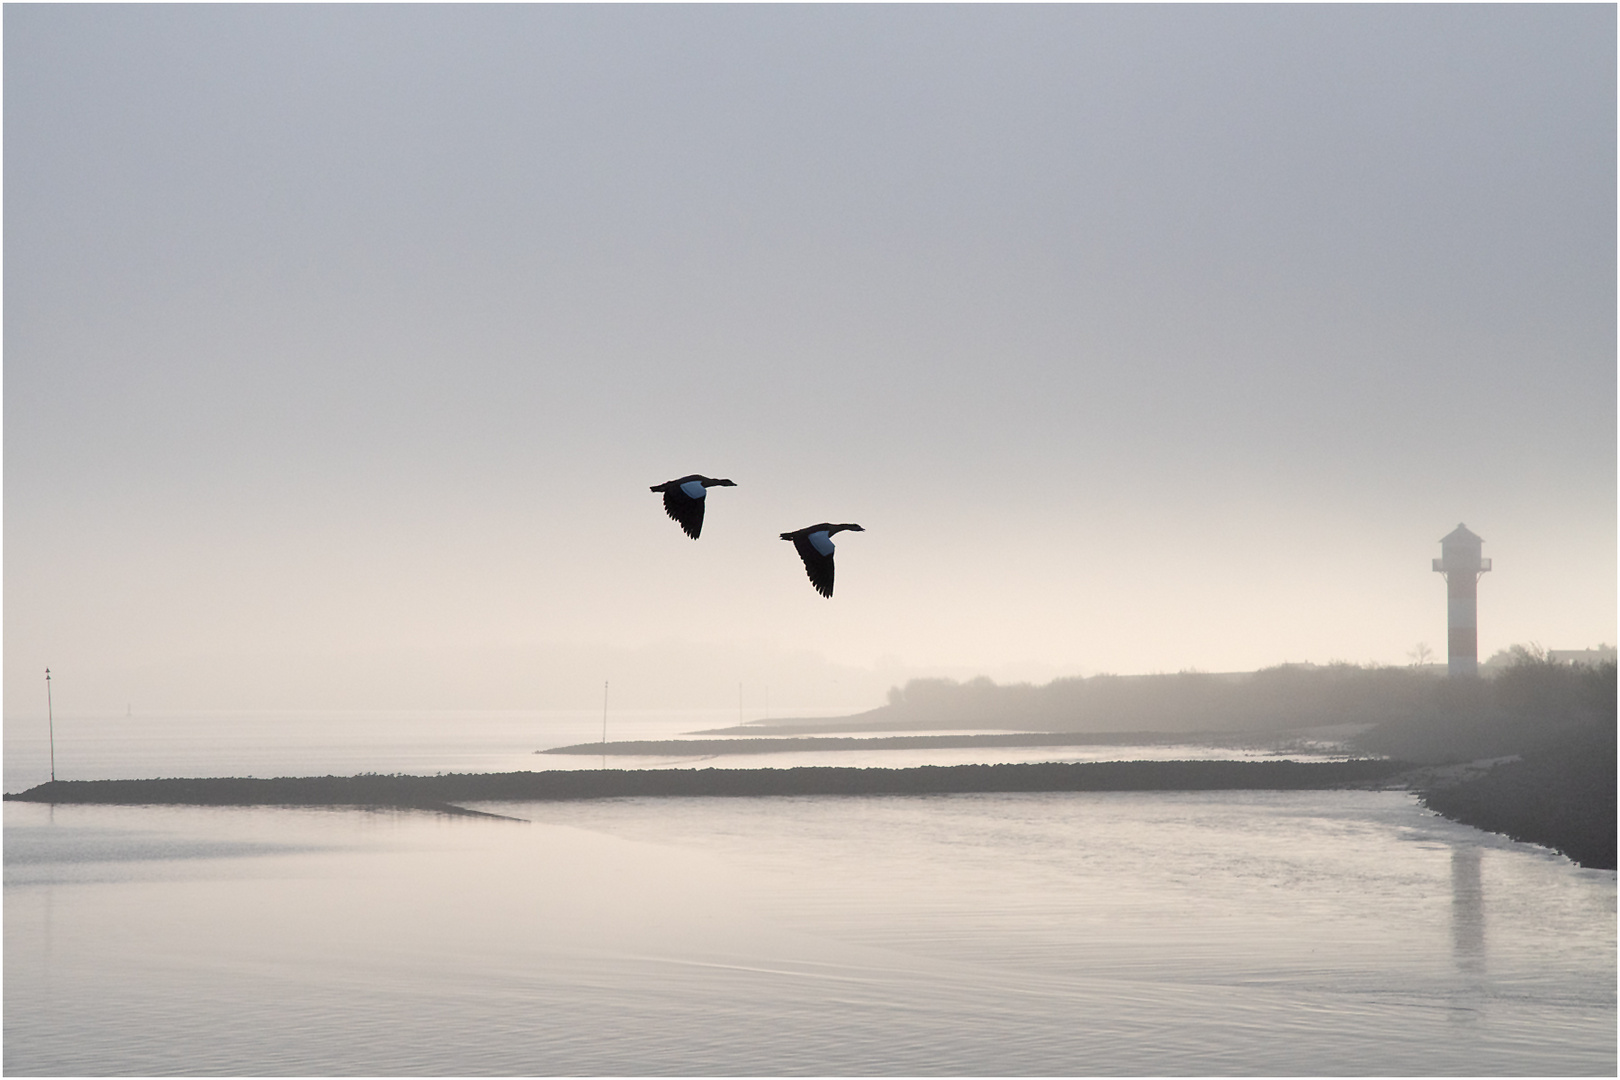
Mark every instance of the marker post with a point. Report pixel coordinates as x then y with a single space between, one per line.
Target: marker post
50 717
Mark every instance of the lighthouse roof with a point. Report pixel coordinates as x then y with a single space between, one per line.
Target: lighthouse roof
1461 535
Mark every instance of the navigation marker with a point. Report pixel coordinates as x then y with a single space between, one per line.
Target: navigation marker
50 717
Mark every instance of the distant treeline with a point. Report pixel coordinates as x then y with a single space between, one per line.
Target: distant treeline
1277 698
1533 705
1415 714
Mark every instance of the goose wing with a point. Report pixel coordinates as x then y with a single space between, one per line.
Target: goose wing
684 509
818 567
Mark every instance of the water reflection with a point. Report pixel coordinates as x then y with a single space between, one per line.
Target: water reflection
1029 934
1467 911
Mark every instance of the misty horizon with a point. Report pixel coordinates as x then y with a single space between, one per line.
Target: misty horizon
1139 339
756 682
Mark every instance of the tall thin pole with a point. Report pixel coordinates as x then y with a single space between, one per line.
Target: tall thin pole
604 712
739 704
50 717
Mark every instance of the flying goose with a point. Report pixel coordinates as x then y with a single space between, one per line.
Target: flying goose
683 500
816 549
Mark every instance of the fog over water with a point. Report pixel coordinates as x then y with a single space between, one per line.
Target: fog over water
342 344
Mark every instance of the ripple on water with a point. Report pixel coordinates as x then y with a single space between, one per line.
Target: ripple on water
1068 933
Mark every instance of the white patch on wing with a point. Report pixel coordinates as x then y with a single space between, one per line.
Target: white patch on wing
694 489
820 542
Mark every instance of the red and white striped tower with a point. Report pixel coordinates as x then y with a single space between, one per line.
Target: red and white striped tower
1459 560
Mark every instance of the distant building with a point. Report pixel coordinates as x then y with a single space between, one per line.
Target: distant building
1603 654
1505 658
1460 562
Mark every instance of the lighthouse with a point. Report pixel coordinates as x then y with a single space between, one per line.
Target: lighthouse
1459 561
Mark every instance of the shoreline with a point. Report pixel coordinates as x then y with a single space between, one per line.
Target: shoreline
1501 796
439 792
808 743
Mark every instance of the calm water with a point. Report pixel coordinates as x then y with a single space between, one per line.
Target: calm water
1234 932
423 743
312 743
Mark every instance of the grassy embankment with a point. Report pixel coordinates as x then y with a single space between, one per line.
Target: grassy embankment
1550 726
442 792
1555 726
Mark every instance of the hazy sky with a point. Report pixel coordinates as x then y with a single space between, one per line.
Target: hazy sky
1139 338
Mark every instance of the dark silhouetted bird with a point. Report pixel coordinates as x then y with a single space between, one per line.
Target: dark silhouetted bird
815 547
684 498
